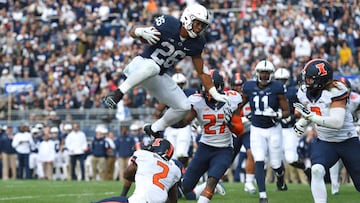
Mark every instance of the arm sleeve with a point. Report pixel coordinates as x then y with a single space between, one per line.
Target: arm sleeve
334 120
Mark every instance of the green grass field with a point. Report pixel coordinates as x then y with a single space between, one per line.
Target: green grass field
37 191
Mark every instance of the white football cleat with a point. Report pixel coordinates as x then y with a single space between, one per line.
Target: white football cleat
250 188
220 189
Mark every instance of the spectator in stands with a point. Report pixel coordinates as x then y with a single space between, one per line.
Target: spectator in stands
6 77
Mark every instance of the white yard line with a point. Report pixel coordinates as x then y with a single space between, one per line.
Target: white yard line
58 195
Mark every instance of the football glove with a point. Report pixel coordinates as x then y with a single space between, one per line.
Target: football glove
112 99
150 34
228 114
303 110
299 130
217 96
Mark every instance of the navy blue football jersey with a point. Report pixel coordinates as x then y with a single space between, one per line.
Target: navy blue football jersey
170 49
262 98
291 97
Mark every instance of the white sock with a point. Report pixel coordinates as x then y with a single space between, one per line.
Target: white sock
203 199
199 188
262 195
318 188
249 178
334 173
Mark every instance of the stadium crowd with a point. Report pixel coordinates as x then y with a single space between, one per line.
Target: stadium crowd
75 52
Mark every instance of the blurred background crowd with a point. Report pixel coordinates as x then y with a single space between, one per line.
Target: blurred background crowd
62 56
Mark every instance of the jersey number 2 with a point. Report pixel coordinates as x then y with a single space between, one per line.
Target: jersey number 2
161 175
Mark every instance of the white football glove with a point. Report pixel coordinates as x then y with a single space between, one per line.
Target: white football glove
269 112
217 96
150 34
299 129
228 114
303 110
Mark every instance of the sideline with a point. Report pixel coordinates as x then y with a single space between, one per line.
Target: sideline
58 195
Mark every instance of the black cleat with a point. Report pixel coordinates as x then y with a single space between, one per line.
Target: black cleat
281 186
113 98
263 200
149 132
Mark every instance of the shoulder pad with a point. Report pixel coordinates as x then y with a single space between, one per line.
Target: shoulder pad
234 96
339 91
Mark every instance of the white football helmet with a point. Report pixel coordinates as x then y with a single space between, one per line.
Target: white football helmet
267 66
194 12
282 74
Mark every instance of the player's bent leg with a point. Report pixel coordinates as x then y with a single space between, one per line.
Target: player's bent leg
137 71
318 188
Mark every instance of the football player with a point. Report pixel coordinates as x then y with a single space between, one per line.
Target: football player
244 140
324 102
215 149
155 175
354 106
290 140
268 106
170 40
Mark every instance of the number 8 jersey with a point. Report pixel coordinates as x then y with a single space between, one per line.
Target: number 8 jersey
321 106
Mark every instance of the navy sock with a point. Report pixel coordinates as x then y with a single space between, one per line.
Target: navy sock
260 175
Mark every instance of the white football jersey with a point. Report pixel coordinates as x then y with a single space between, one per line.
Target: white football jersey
215 131
322 107
154 177
354 102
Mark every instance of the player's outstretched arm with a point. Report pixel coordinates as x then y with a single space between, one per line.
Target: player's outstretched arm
206 79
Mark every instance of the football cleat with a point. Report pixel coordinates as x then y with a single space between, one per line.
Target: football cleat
281 186
263 200
147 129
219 189
113 98
250 188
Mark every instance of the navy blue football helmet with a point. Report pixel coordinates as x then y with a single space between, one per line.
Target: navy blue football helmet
163 148
317 74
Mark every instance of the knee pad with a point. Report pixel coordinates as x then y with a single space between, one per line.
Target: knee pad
317 171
